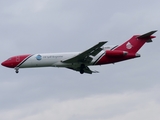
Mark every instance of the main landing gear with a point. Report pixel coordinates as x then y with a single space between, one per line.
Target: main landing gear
82 68
17 70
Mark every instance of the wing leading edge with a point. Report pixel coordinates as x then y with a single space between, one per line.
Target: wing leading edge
84 57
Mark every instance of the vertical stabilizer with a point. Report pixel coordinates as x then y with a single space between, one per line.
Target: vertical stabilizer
136 42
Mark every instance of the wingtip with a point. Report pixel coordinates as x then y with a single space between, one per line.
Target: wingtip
104 42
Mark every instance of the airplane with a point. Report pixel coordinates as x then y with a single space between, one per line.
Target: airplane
79 61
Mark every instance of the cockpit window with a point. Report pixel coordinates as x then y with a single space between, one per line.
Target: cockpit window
9 58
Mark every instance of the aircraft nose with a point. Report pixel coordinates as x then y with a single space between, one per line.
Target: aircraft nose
14 61
4 63
7 64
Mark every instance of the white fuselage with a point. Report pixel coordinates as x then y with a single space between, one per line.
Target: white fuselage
53 60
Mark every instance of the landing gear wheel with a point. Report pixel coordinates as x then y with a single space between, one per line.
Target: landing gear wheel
82 68
81 71
17 70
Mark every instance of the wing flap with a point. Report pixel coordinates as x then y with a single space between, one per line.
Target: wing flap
86 69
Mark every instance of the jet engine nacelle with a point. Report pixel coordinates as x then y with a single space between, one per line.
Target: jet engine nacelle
115 53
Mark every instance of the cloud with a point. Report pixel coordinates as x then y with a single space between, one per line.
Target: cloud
128 105
24 7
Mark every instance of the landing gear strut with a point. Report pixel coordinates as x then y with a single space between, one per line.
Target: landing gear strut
17 70
82 68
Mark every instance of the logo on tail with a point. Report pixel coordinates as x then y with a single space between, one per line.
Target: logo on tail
129 45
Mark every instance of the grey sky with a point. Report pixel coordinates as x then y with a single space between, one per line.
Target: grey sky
125 91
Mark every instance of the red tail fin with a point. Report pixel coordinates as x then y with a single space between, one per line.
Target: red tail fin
136 42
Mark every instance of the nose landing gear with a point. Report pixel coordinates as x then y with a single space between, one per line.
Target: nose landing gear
17 70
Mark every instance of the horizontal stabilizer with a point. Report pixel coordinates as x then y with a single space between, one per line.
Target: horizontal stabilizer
147 35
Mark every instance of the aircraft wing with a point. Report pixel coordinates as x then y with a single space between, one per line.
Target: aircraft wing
84 57
86 69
